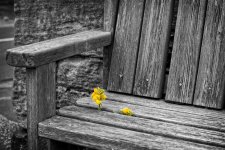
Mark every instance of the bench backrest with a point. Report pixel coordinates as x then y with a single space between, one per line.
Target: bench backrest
136 62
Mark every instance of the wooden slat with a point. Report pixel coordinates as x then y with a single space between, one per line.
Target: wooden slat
126 44
210 84
186 49
41 99
55 49
110 17
160 104
204 122
153 49
104 137
145 125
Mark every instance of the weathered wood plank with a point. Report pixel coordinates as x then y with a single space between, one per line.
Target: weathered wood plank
41 99
210 84
106 137
204 122
145 125
55 49
126 44
186 50
150 71
160 104
110 17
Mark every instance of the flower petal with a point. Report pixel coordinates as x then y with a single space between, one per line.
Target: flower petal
103 96
126 111
96 97
98 102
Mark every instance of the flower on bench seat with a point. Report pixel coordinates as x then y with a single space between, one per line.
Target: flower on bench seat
98 96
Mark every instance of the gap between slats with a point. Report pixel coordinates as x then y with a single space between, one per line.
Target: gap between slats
125 46
211 123
164 129
161 104
210 84
186 51
106 137
153 49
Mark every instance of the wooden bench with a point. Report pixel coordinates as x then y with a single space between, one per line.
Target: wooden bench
135 40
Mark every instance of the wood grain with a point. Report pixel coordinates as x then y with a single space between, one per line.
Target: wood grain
126 44
104 137
55 49
41 99
145 125
110 18
150 71
161 104
199 121
186 50
210 84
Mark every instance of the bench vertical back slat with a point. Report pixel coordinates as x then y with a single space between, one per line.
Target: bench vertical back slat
110 16
139 50
186 49
41 99
150 71
125 47
210 84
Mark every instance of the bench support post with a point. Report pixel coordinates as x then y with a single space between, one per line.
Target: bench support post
40 99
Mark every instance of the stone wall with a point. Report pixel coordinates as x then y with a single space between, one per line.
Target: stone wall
7 129
38 20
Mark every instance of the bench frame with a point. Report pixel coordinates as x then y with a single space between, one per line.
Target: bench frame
40 63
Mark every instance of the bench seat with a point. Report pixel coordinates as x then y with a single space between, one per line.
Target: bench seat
154 125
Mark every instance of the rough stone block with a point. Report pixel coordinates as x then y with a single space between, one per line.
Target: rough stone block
7 128
76 77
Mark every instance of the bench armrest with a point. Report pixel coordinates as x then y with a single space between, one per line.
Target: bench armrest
48 51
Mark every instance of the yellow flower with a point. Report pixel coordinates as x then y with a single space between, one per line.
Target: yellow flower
126 111
98 96
98 102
